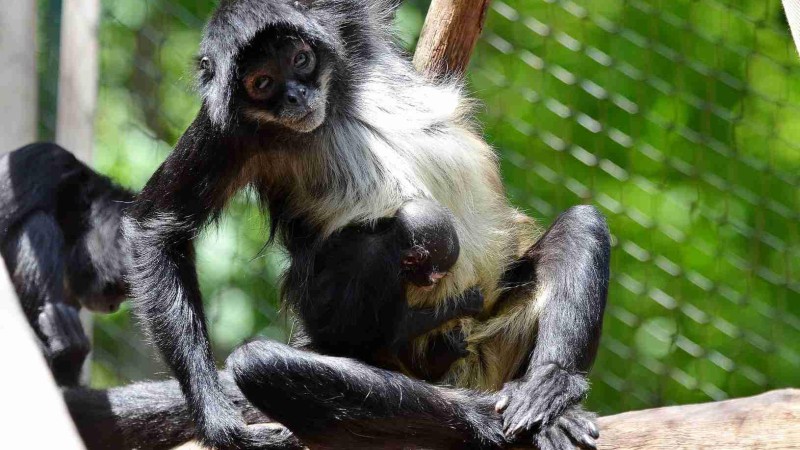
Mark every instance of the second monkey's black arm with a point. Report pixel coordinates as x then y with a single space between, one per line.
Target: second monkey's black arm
184 195
34 255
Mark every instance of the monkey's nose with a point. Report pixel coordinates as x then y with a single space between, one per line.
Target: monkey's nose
296 95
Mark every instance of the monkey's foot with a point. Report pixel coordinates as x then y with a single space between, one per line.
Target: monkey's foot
575 427
222 434
273 437
65 343
537 402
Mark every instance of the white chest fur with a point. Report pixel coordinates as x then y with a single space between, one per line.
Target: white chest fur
420 145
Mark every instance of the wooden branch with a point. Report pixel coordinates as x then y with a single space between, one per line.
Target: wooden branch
448 37
766 421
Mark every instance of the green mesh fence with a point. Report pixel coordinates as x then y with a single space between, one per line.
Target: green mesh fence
679 119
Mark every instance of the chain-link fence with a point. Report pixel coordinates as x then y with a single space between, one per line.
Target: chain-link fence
680 119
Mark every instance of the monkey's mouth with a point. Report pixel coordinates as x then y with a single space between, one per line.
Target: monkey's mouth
305 121
434 279
306 116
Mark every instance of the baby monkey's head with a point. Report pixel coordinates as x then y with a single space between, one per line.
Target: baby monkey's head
429 242
283 79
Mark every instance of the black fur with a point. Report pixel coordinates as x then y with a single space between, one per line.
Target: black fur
318 396
359 408
339 403
60 230
349 292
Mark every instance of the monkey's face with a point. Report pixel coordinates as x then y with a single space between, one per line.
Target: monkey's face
429 241
422 269
284 80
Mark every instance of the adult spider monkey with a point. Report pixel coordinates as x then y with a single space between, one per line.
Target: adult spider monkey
312 105
60 237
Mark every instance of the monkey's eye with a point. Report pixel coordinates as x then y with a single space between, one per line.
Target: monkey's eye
259 86
263 83
304 61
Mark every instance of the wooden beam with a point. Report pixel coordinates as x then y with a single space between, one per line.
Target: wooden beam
19 84
78 73
77 96
451 29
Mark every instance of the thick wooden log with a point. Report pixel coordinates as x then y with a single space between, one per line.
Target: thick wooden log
451 29
766 421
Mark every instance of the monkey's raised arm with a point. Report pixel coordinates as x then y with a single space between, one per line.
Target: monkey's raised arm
34 254
185 194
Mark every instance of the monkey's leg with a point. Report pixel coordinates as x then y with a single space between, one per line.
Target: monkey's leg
570 267
153 416
34 253
332 402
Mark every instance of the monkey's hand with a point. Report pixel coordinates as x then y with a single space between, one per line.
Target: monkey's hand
473 303
229 432
575 427
64 342
536 402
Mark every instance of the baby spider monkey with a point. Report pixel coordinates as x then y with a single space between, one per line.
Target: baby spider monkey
355 302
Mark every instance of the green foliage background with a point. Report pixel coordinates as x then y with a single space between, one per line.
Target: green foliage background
678 118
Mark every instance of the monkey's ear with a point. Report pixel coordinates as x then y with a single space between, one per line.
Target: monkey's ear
205 69
303 4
